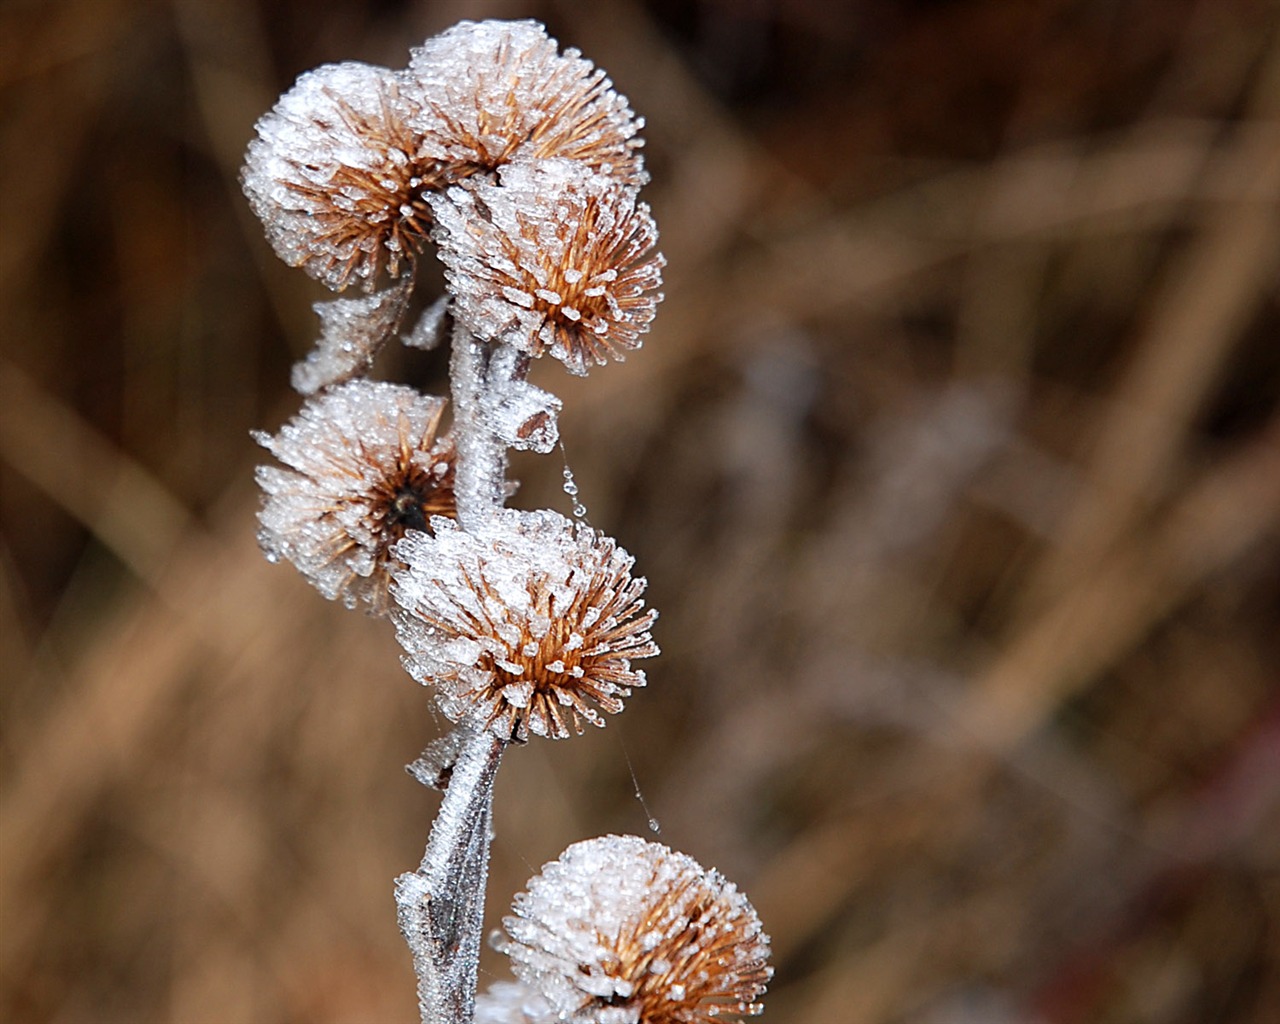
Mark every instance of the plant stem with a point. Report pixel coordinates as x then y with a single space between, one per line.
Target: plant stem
440 906
481 467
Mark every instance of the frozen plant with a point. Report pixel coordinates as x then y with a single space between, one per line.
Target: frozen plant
527 627
522 164
555 259
624 931
338 177
366 466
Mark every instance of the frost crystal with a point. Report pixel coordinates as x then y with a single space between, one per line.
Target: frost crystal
337 177
365 466
525 627
428 332
513 1003
343 166
524 417
435 765
498 91
554 259
624 931
351 333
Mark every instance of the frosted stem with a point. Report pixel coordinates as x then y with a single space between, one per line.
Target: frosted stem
441 905
481 470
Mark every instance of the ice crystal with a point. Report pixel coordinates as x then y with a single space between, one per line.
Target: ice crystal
351 333
498 91
524 417
554 259
342 166
365 466
508 1002
429 330
619 930
528 627
434 766
337 176
440 905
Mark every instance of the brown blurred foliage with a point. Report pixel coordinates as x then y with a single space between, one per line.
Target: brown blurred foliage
953 460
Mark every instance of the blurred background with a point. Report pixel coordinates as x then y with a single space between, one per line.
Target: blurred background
953 460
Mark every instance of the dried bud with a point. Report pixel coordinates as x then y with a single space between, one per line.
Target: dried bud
498 91
337 176
365 467
624 931
555 259
527 629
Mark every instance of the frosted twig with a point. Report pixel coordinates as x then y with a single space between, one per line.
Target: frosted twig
481 456
440 906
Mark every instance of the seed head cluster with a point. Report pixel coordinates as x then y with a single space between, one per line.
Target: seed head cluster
343 167
520 166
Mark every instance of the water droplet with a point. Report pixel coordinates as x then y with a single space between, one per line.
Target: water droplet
571 489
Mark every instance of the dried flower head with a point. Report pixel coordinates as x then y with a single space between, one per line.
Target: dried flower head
555 259
624 931
528 628
366 467
337 176
498 91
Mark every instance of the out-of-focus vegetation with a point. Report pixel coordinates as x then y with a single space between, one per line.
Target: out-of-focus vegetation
953 460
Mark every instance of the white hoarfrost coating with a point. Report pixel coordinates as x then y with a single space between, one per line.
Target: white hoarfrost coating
508 1002
523 165
364 465
351 333
619 930
506 93
554 258
336 177
342 167
527 627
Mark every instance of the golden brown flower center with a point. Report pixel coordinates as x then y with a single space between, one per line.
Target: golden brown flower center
575 307
546 663
684 978
387 204
573 277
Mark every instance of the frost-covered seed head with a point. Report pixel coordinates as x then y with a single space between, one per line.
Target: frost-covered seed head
365 466
528 628
337 176
623 931
498 91
342 166
554 259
